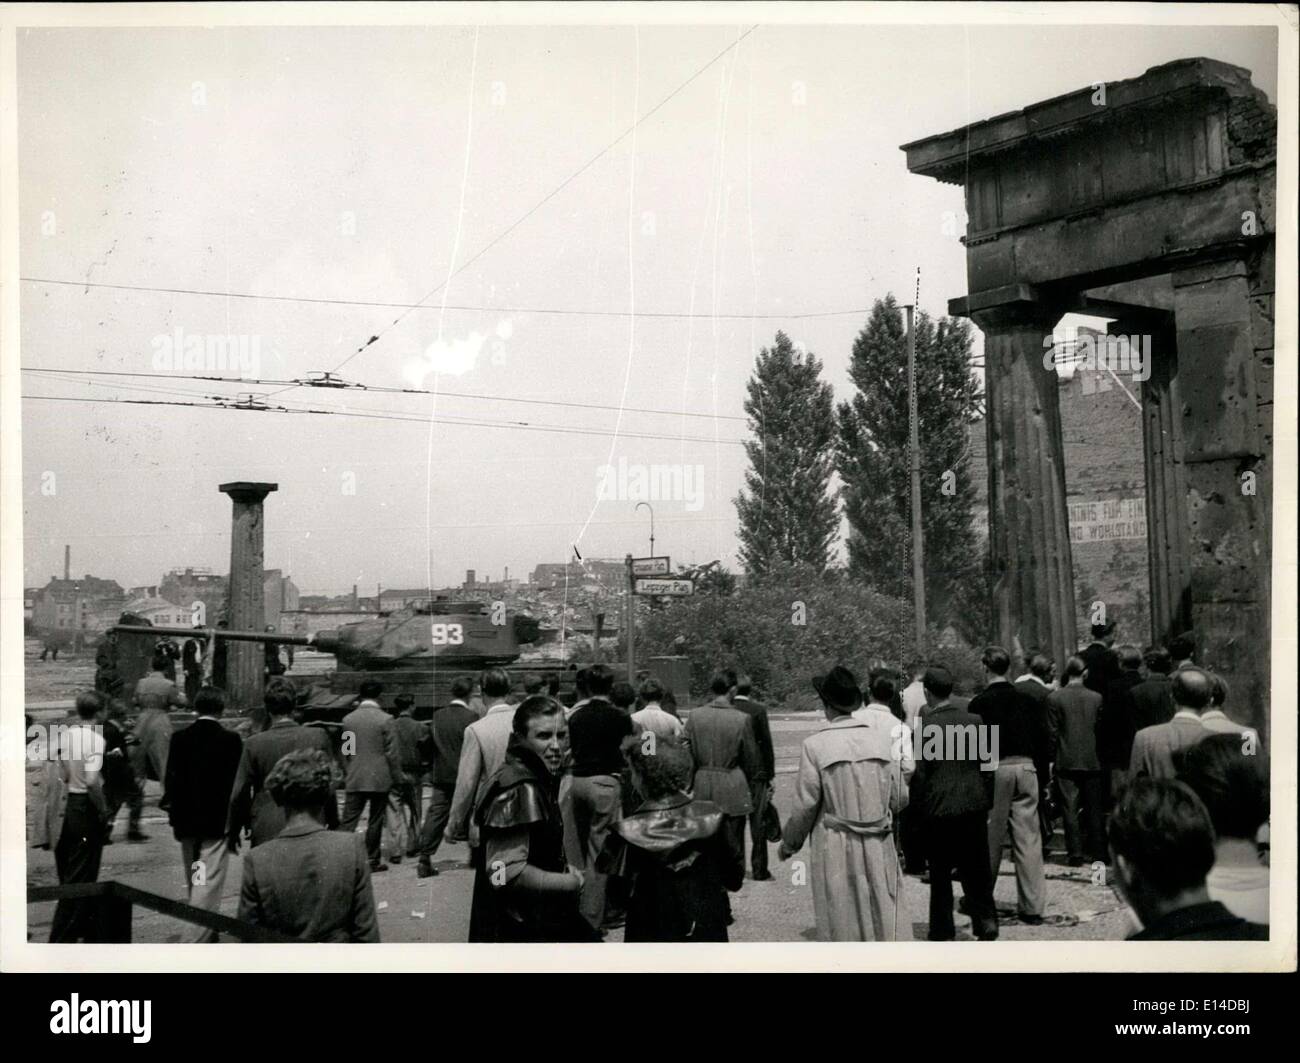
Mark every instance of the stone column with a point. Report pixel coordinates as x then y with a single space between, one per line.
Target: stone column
245 661
1168 551
1029 529
1224 456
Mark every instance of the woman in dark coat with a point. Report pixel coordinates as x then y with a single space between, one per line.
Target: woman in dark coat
669 854
523 888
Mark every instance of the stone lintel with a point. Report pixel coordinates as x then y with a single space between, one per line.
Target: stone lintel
247 491
948 156
1121 312
1008 296
1202 272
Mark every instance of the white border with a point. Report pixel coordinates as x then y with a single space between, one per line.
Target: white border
1279 954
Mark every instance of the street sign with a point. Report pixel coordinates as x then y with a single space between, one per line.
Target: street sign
676 588
650 566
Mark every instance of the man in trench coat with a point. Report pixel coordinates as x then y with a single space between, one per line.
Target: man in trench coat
849 789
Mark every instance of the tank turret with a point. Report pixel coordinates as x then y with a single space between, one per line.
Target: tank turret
423 636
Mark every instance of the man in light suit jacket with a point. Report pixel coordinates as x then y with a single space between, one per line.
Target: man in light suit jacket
371 768
1154 747
727 760
201 767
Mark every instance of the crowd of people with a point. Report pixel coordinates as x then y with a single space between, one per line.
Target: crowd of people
617 812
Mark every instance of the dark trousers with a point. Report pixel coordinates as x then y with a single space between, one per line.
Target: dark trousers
1086 788
961 843
761 793
76 858
410 796
353 803
911 839
125 790
435 819
733 834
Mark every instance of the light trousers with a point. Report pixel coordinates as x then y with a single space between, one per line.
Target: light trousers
1015 811
205 861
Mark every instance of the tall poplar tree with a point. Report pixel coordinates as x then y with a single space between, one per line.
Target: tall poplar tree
874 465
787 512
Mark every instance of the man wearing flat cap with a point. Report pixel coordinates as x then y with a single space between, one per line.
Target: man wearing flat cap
849 789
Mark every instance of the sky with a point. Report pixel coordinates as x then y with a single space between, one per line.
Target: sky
370 165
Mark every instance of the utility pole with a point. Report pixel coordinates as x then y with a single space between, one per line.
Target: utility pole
918 543
631 621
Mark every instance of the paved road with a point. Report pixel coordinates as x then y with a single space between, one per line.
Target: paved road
437 909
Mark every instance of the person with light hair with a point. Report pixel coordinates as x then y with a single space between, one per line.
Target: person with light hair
309 882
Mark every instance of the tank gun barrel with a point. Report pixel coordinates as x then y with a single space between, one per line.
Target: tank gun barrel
215 632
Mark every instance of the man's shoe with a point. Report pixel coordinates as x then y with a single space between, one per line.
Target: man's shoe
395 859
136 836
1032 920
425 868
763 876
377 865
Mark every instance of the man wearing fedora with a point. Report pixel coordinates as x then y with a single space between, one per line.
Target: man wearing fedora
849 790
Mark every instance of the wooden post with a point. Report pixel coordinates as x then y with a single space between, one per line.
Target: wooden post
918 540
630 613
245 661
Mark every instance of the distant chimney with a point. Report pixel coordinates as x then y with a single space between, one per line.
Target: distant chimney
67 562
355 600
506 577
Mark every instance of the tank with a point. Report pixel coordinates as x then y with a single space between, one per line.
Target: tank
417 650
423 636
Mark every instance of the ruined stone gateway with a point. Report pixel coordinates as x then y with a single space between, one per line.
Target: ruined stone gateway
1149 202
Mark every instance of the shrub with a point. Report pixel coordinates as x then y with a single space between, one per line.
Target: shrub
756 630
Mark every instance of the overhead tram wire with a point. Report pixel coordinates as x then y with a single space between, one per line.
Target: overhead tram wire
548 197
256 405
379 389
548 310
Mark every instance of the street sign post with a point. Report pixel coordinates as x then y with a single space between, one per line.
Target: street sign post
650 566
673 588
